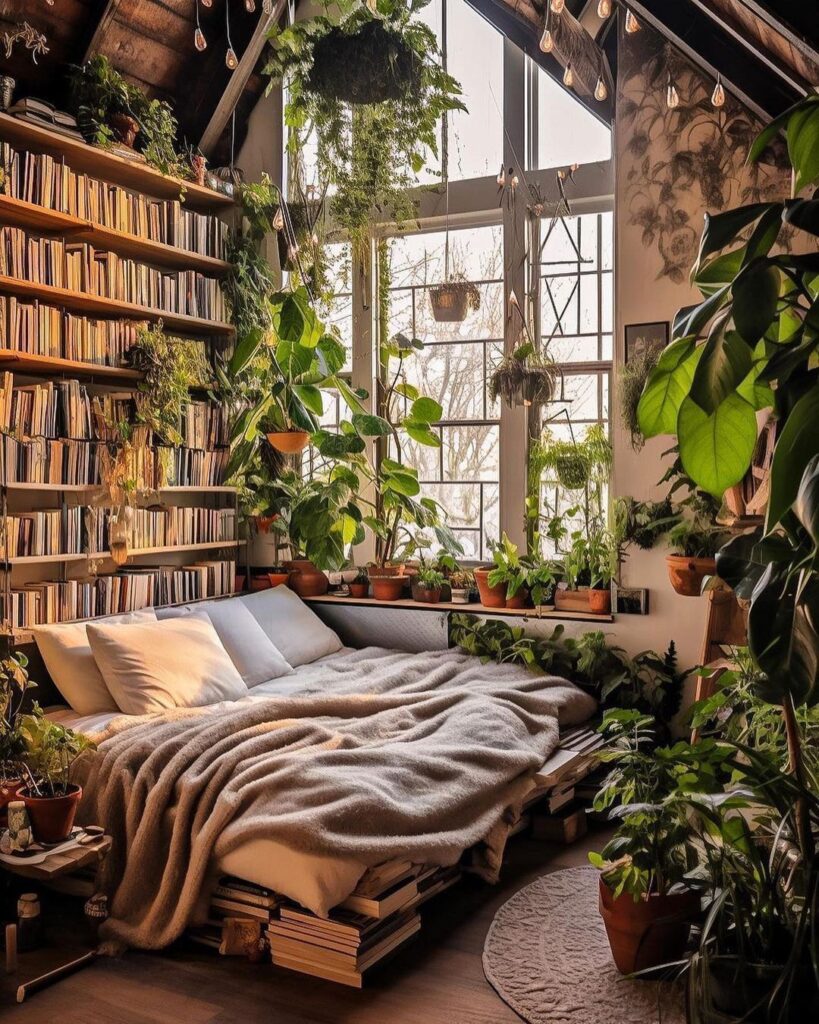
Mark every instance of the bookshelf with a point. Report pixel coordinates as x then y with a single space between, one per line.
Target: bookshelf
40 588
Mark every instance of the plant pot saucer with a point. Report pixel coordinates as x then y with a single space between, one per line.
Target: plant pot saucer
288 442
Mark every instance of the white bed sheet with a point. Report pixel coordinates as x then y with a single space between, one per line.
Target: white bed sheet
313 881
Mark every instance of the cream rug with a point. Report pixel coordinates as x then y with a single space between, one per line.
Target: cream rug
548 957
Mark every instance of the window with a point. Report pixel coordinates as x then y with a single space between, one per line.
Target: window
564 132
453 368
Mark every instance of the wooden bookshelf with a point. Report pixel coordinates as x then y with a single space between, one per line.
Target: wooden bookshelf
81 302
44 221
54 366
102 163
86 488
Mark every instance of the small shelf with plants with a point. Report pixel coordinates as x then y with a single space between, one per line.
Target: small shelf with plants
409 603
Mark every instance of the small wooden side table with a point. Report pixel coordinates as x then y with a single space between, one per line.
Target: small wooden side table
46 966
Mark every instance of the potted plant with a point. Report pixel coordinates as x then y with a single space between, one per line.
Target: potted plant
427 585
541 581
50 796
572 592
524 378
360 586
461 582
14 684
278 575
695 540
645 904
509 574
452 300
601 553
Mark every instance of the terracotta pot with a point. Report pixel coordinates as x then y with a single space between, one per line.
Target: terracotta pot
647 933
359 589
491 597
449 304
260 582
278 579
686 574
52 817
387 588
199 166
426 595
289 442
239 584
600 601
520 600
263 523
572 600
125 128
306 579
387 570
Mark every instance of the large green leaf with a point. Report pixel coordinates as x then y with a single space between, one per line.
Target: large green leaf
780 123
405 483
803 213
797 443
724 364
716 448
369 425
723 228
310 397
764 234
246 348
338 446
690 320
293 359
668 384
756 292
421 433
803 145
806 506
426 409
331 355
719 271
290 324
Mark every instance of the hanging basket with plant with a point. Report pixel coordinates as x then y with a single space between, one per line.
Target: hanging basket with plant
524 378
452 301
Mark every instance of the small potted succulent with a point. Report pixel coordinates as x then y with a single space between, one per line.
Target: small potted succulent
427 585
461 583
51 797
360 586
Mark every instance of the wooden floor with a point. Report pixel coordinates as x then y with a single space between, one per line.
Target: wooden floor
437 979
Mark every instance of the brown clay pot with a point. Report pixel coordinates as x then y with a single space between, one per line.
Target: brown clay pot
449 304
686 574
306 579
238 584
572 600
491 597
289 442
260 582
426 595
600 601
387 588
387 570
125 128
263 523
359 589
52 817
520 600
199 165
647 933
278 579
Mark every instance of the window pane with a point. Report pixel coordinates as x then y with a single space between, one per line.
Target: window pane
567 133
453 375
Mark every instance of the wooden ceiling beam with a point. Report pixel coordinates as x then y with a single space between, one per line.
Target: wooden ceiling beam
239 79
107 17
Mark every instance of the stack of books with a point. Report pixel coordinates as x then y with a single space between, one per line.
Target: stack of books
29 108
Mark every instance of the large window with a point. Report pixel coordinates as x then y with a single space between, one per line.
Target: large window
453 368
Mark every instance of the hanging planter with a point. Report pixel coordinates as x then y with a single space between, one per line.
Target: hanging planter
573 470
524 378
289 442
371 65
451 302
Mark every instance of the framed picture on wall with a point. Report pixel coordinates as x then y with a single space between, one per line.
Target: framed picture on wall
644 338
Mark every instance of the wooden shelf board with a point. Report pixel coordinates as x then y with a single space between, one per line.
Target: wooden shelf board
132 553
42 559
29 362
81 302
100 163
85 488
473 609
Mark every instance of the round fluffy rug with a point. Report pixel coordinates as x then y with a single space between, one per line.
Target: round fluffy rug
548 957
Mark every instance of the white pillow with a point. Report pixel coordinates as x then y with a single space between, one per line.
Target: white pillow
154 665
294 628
67 655
252 652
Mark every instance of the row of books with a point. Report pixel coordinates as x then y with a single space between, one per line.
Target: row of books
76 463
65 409
43 330
157 528
56 531
41 179
128 590
79 267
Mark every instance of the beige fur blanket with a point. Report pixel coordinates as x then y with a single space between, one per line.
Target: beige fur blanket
381 755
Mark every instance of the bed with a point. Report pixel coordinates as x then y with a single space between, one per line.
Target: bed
307 780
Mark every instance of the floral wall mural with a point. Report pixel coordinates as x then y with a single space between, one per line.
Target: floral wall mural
676 163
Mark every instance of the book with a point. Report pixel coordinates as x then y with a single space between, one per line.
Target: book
232 908
385 903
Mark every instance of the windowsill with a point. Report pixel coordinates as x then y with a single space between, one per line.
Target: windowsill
445 607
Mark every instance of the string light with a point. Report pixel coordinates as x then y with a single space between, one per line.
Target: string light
199 40
557 6
207 3
718 95
672 97
250 6
501 179
568 76
632 24
547 43
604 9
278 220
231 60
514 181
600 91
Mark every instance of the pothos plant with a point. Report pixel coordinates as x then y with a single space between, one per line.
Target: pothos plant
368 84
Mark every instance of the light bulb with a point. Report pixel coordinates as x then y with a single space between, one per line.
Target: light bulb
604 9
515 181
547 43
632 24
600 91
568 76
231 60
278 220
199 40
557 6
207 3
292 252
250 6
718 95
672 97
501 177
